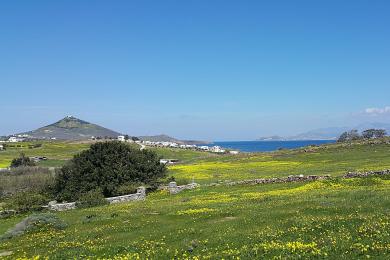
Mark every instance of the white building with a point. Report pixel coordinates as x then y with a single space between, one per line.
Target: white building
169 161
204 148
234 152
121 138
1 147
217 149
14 139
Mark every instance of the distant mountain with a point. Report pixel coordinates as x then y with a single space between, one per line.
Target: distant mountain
159 138
166 138
330 133
272 138
71 128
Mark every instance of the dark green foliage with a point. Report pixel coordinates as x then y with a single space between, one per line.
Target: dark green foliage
28 201
91 198
107 165
127 188
22 160
374 133
349 136
33 223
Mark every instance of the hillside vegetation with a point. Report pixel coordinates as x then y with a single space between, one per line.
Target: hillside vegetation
334 159
324 219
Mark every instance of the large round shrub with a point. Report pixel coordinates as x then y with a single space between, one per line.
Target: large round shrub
107 166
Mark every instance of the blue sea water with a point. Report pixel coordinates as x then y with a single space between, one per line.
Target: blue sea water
268 146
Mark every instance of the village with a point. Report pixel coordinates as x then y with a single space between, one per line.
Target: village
212 149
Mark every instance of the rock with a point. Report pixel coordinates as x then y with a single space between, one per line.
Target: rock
6 253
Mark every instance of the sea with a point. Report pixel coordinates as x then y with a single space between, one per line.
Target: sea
267 146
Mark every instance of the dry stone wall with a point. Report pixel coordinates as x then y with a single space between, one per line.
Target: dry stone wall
140 195
174 189
291 178
366 174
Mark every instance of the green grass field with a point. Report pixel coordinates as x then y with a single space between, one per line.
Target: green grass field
329 219
330 159
56 152
59 152
333 219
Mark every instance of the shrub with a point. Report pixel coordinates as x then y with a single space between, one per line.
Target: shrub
91 198
128 188
107 165
34 223
28 201
22 160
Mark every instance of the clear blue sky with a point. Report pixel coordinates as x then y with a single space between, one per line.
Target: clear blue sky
215 70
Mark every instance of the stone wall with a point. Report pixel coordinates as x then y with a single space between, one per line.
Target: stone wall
366 174
291 178
174 189
140 195
53 205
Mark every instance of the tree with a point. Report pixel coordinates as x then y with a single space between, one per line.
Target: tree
374 133
127 137
107 166
349 136
134 138
343 137
368 134
380 133
22 160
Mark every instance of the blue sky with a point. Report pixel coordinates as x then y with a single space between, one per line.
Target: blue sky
213 70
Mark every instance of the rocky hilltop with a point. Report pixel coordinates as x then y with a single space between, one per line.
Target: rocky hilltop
71 128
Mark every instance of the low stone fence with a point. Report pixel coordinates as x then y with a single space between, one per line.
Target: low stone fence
366 174
291 178
174 189
53 205
140 195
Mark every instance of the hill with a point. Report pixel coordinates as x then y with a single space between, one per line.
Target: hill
71 128
167 138
329 133
160 138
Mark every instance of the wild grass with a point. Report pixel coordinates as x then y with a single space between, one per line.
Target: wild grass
336 219
25 179
330 159
57 152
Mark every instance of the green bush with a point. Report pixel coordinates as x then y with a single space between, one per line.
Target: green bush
28 201
107 165
22 160
128 188
91 198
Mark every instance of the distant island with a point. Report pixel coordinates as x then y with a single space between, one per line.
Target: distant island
330 133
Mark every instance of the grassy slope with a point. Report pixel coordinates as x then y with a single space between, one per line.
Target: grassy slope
334 219
331 159
58 152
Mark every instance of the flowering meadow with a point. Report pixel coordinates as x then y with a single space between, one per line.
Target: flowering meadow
332 219
332 159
